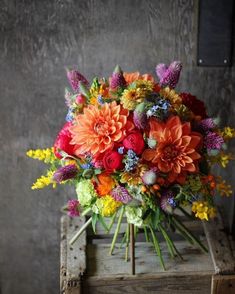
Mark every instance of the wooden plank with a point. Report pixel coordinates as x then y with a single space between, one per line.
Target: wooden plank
63 254
220 249
164 283
73 257
100 263
223 284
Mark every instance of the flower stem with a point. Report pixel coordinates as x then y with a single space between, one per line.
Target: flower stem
157 247
146 234
195 240
117 230
127 241
78 234
169 241
112 222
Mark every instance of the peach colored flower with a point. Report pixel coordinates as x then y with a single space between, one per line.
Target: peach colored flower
98 128
175 152
133 76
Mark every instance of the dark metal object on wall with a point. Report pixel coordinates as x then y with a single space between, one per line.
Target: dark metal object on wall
215 33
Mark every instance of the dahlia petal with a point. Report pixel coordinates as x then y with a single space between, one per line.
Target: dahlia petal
190 167
186 140
186 128
177 168
173 121
156 125
117 137
176 132
187 159
195 155
107 140
195 140
164 166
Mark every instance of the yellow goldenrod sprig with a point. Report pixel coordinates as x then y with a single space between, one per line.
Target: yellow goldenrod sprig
46 155
44 181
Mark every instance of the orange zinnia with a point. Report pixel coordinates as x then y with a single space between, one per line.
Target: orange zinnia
105 185
98 128
130 77
175 152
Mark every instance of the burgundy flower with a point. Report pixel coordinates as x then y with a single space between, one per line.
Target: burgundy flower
195 105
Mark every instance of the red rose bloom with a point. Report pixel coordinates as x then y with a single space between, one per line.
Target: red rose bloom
62 141
195 105
135 142
112 160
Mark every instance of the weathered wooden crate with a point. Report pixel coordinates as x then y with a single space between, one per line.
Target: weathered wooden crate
87 268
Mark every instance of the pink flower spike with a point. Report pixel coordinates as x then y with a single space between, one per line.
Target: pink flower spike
75 77
73 206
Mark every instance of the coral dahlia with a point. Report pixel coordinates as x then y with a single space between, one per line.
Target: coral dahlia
175 152
98 128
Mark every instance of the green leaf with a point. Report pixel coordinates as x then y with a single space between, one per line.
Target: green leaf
101 220
155 218
94 221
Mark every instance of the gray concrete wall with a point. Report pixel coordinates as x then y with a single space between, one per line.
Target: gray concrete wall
37 40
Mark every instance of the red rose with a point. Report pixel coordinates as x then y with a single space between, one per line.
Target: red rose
62 141
112 160
195 105
135 142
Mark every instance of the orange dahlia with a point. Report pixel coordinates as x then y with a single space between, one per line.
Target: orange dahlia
175 152
98 128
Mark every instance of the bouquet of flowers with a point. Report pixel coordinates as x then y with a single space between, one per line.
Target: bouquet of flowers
133 147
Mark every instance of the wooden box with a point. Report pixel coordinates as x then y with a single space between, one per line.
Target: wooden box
87 267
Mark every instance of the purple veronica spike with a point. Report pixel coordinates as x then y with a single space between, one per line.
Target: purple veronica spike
213 141
72 207
65 173
75 77
169 76
121 194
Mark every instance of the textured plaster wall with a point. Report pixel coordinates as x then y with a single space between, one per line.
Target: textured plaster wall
38 38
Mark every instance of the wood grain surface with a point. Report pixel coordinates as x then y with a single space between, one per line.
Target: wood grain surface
38 39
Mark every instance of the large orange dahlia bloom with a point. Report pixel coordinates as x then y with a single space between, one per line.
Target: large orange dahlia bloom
98 128
175 152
